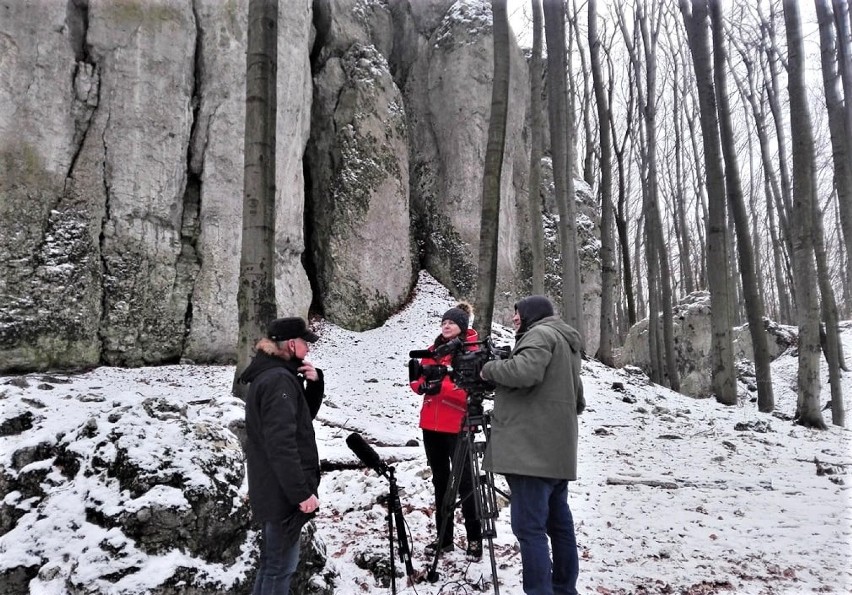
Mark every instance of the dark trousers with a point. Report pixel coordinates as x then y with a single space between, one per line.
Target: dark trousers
540 511
440 447
278 562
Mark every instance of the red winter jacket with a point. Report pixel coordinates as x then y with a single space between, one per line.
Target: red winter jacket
444 412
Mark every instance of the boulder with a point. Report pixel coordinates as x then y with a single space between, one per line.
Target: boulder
693 347
358 159
142 493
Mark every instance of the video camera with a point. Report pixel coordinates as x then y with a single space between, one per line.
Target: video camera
464 369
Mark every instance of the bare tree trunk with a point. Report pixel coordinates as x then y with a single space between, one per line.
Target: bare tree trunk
589 145
641 308
749 93
536 134
808 406
607 262
256 292
842 186
842 20
621 208
490 219
752 297
724 378
649 42
680 195
832 350
701 214
784 208
560 133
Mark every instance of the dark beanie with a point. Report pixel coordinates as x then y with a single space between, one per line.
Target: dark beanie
532 309
459 316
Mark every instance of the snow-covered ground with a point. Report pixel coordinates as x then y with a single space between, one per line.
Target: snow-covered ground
675 495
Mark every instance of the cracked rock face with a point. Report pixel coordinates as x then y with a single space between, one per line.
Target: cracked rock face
360 189
121 170
121 179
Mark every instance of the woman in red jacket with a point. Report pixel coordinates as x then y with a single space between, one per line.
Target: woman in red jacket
444 408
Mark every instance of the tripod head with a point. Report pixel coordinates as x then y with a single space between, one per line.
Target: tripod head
475 402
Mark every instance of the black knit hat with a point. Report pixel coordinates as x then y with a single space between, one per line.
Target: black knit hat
283 329
459 316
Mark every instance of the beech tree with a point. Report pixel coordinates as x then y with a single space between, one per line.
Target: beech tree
695 16
620 151
733 184
256 304
641 45
843 40
561 133
607 265
489 221
751 90
536 141
804 189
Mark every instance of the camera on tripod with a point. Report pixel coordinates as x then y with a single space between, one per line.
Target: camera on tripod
466 364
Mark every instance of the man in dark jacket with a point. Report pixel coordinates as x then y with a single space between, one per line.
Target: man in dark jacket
281 451
534 441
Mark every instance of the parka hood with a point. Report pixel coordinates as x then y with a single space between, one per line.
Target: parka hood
532 309
566 330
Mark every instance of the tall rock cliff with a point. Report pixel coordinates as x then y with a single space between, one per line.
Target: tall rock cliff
121 170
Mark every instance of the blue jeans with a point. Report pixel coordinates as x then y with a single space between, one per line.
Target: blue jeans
540 510
277 565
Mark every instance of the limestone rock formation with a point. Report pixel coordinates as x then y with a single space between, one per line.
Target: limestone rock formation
448 94
358 158
692 335
143 493
121 170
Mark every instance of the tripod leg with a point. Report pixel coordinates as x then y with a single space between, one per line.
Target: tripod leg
401 536
448 503
486 505
390 543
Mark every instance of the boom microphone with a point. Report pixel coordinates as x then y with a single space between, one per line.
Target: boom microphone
440 351
366 454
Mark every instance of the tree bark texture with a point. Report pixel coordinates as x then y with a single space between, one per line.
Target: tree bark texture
751 295
804 171
536 141
256 293
607 262
724 378
560 137
490 219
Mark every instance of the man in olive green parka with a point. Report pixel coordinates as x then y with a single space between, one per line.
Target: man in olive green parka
533 441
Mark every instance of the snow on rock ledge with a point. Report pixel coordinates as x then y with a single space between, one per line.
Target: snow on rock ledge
134 491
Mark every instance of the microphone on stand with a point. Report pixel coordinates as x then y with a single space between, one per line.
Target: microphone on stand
366 454
372 460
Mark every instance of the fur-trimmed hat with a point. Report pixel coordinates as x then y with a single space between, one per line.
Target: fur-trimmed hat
460 314
283 329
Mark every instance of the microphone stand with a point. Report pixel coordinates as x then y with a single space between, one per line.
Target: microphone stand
395 512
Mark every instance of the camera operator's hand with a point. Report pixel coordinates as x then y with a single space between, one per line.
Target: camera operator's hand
310 505
433 373
430 387
308 371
